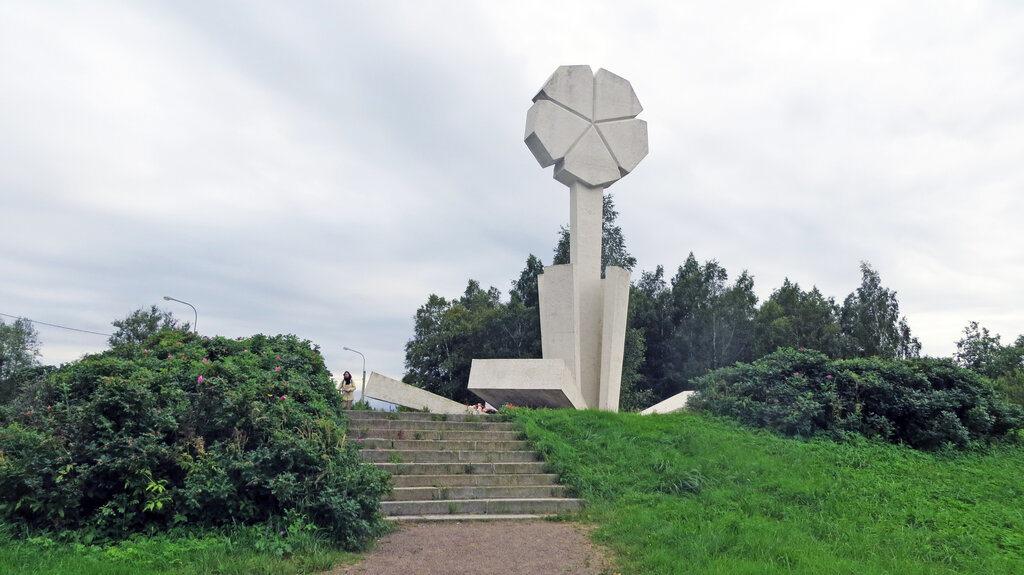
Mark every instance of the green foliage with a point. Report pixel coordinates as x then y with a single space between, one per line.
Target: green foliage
183 430
925 403
142 324
794 318
1011 386
697 323
450 334
982 353
19 353
871 322
691 493
634 395
713 325
979 351
524 290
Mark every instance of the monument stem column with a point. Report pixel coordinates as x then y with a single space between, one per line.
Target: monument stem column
586 214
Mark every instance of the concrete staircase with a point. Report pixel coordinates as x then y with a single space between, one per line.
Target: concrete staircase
457 467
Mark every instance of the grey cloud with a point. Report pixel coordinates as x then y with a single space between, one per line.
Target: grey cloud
320 168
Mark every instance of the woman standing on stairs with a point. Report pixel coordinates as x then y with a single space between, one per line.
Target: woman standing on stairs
347 390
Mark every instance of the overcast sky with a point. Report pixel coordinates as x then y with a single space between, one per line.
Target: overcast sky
319 168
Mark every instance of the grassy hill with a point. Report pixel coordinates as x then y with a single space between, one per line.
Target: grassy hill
687 493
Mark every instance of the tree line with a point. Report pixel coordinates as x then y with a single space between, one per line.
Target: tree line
680 327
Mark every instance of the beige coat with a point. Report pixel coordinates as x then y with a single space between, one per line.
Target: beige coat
348 390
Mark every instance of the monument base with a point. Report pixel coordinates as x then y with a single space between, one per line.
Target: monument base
525 382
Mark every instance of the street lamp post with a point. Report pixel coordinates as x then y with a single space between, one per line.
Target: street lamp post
195 324
364 368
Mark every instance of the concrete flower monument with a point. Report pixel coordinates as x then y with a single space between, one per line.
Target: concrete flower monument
585 125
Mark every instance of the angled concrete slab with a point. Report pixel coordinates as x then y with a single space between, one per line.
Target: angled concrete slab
675 403
393 391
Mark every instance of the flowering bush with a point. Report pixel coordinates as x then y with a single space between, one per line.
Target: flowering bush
925 403
189 430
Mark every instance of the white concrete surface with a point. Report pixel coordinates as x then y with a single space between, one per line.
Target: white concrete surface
393 391
614 98
675 403
586 126
550 133
572 87
615 295
585 219
559 317
629 140
525 382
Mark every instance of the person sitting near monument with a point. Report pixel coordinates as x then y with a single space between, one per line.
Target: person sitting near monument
348 389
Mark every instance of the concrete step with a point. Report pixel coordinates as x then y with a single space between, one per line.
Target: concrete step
421 416
477 492
458 467
531 467
424 456
474 479
433 434
462 517
364 424
538 506
444 445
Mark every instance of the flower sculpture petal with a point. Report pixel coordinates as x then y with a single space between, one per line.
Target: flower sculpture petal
585 124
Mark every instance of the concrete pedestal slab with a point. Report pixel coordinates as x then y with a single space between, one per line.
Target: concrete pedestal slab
525 382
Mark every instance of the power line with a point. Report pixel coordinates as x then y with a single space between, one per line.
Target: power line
55 325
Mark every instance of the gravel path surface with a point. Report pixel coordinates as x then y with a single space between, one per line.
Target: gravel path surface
485 547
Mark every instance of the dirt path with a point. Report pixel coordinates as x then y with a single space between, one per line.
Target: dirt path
485 547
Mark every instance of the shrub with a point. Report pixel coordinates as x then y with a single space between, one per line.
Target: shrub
1010 385
925 403
183 430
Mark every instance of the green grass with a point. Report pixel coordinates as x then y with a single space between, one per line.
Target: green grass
686 493
240 554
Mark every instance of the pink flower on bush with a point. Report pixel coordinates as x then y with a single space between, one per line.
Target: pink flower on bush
283 396
278 368
277 357
205 360
829 376
200 380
